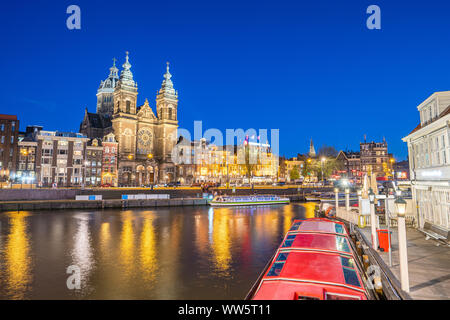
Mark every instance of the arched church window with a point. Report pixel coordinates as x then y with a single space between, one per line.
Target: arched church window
170 113
128 106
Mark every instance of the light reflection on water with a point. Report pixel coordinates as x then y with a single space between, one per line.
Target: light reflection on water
17 269
168 253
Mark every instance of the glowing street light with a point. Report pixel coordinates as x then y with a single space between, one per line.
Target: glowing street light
400 205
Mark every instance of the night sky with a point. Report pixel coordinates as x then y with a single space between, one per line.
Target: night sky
309 68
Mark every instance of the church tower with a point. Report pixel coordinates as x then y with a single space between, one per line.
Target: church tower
105 93
125 93
167 108
124 120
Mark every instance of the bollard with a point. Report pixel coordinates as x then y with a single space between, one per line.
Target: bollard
366 261
358 248
378 285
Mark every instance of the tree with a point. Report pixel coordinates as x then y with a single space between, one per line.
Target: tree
249 166
307 168
294 174
327 151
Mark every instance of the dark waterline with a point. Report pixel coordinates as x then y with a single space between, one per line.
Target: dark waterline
165 253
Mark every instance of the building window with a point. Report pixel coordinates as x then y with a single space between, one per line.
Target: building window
128 106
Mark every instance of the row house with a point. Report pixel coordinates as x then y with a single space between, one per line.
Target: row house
9 132
26 160
93 163
429 163
109 161
60 158
350 164
375 159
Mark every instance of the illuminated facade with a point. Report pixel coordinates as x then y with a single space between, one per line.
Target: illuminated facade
109 161
145 139
93 163
375 159
429 162
201 161
60 158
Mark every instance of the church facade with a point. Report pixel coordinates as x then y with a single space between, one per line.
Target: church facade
145 139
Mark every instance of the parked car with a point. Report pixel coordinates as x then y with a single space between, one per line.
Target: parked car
173 184
106 185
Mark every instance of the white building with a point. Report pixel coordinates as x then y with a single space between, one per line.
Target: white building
429 161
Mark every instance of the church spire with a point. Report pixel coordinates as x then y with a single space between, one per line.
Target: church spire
312 151
113 70
126 76
167 82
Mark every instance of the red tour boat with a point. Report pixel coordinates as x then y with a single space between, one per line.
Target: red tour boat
314 262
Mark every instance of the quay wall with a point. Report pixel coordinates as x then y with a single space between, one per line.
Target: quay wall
116 193
41 205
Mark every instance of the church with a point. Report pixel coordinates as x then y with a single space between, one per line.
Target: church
145 139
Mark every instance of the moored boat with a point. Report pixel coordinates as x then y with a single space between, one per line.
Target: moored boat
225 201
315 261
313 196
331 197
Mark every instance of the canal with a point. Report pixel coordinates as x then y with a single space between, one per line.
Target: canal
164 253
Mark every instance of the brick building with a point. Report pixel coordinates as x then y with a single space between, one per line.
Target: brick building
9 132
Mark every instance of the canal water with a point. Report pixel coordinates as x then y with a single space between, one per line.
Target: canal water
164 253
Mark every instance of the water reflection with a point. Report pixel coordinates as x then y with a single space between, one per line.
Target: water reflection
166 253
148 250
82 255
18 275
310 207
126 250
221 241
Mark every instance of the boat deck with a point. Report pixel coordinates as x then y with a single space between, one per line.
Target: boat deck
314 262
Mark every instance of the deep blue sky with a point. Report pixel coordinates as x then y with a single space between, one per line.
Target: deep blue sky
308 68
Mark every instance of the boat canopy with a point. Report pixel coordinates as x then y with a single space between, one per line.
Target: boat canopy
314 262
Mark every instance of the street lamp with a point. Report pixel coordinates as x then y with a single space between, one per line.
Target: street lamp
359 193
373 219
347 199
388 222
336 194
400 204
322 162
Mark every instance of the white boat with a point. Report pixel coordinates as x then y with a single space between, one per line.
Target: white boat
313 196
227 201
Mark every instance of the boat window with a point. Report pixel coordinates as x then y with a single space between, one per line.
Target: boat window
336 296
287 243
342 244
276 269
350 277
295 226
339 228
291 236
282 256
347 262
306 298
